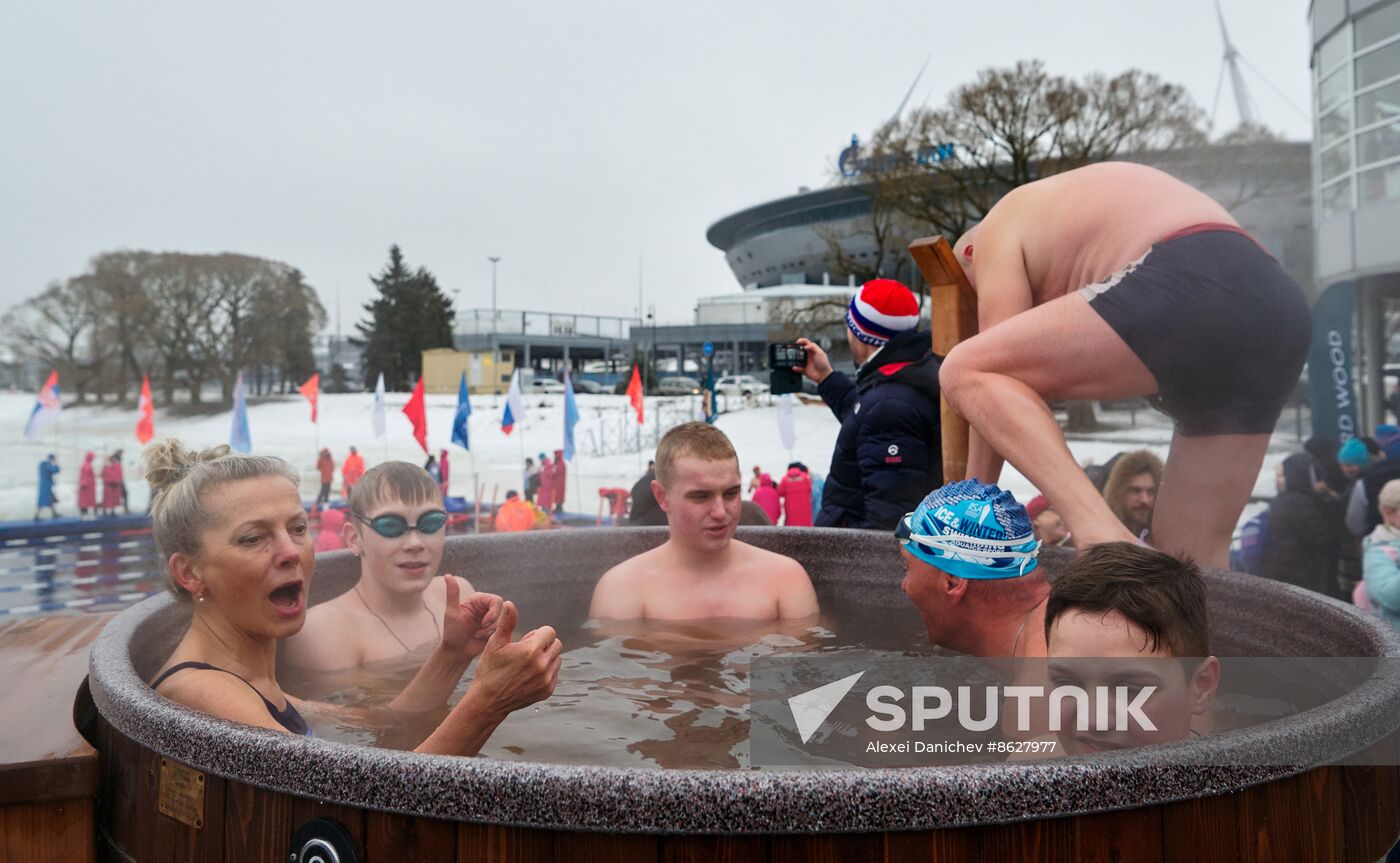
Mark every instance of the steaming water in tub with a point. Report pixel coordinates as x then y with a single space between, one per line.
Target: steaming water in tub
654 694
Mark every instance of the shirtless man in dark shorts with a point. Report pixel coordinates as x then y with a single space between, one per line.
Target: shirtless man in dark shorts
1112 281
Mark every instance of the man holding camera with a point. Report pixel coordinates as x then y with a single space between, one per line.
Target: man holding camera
889 451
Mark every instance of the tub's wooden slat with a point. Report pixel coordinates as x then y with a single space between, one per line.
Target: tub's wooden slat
603 848
390 838
257 823
838 848
1131 836
1299 818
962 845
1207 829
488 843
714 849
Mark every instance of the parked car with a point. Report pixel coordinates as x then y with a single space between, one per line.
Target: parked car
593 388
544 386
741 385
678 386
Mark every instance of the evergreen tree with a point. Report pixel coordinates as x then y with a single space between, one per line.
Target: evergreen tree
410 315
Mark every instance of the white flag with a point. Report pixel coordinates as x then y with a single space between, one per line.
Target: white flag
378 416
786 429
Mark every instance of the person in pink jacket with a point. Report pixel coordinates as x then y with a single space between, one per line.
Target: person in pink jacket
766 496
796 492
87 486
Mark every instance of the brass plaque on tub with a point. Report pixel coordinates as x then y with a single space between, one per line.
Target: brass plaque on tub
182 793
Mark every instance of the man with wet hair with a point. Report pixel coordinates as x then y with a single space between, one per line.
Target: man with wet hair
970 568
1117 280
702 571
1131 490
1124 615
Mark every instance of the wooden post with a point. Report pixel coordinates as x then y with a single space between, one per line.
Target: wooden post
954 313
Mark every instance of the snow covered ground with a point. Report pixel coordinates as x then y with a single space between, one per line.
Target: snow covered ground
283 428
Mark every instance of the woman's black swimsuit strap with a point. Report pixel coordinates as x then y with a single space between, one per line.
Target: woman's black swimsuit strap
287 717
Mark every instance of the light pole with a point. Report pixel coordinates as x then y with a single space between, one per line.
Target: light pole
495 338
651 316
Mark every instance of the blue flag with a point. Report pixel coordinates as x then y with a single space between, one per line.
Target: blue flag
240 438
570 417
460 435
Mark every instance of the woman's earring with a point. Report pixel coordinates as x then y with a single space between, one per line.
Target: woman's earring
200 597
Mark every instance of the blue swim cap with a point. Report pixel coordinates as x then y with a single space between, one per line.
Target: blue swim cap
971 530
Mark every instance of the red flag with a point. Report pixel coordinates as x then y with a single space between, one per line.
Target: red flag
634 395
312 390
145 413
417 412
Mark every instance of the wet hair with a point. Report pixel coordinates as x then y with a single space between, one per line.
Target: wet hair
1162 595
180 479
1125 470
393 480
697 439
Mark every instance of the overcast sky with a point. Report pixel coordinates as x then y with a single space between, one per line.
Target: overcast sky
566 137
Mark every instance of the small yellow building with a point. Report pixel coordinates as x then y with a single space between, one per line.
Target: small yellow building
443 367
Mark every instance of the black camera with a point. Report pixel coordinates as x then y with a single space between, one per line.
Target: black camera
781 358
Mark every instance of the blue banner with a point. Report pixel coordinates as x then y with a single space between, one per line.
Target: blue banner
1331 361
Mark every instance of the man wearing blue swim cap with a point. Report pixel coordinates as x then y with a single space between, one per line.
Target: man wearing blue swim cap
970 568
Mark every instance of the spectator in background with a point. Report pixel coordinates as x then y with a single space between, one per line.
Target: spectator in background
1329 470
112 484
1303 545
796 491
1352 458
766 496
1049 528
330 537
1362 513
560 470
48 495
325 465
532 479
1382 557
818 485
444 471
646 512
545 497
352 470
756 481
1131 490
889 451
515 514
431 466
87 485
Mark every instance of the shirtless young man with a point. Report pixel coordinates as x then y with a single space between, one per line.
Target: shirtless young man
397 529
1116 280
701 571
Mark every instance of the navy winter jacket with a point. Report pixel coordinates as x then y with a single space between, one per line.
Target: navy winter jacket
889 452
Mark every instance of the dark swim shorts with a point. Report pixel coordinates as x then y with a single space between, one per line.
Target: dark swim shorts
1217 321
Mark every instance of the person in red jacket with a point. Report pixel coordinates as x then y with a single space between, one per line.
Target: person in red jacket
443 472
326 465
352 470
112 484
87 485
561 480
545 496
796 492
766 496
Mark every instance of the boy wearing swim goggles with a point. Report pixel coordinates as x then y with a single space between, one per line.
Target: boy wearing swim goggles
970 568
397 527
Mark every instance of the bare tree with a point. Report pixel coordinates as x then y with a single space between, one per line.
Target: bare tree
58 327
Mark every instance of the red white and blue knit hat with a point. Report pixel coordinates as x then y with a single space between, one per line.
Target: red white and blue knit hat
881 309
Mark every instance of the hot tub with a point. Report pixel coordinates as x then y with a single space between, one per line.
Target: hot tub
177 784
